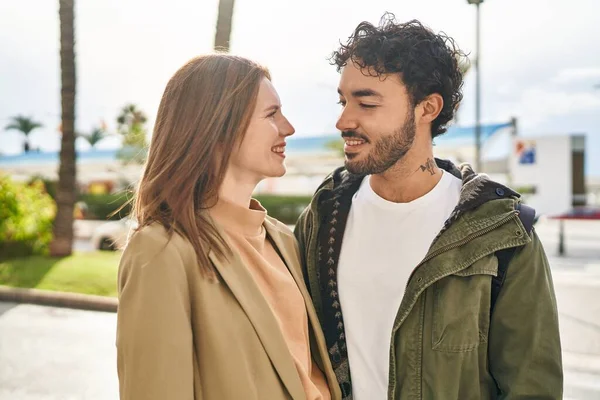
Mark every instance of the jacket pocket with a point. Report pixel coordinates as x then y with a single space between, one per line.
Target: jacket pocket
461 312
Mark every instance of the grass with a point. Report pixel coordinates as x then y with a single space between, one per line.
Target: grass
88 273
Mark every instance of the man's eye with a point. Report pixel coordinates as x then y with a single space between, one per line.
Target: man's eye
367 105
341 102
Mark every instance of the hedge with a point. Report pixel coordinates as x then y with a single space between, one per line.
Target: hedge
26 218
286 209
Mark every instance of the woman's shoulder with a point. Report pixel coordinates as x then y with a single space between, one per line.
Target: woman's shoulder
155 263
155 237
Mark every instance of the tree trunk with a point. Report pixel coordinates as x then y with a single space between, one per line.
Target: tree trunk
62 242
224 20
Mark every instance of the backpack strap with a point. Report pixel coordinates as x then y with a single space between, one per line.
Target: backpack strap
527 217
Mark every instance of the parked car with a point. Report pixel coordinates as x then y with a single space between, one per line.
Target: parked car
583 212
113 235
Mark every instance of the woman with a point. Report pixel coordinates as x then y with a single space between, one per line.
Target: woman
212 301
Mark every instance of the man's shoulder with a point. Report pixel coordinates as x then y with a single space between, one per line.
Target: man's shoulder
339 179
329 184
331 178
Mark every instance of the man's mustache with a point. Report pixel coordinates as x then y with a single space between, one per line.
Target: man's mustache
354 135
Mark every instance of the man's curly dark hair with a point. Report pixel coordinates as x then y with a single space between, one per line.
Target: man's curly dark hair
427 62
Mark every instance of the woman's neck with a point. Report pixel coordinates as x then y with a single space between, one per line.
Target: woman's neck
237 188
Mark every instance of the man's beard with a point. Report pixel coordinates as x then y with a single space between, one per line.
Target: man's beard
387 151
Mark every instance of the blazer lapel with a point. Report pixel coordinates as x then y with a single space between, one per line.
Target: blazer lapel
286 245
239 280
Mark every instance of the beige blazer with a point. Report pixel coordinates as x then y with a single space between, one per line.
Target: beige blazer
181 336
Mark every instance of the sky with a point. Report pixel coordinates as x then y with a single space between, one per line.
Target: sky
540 59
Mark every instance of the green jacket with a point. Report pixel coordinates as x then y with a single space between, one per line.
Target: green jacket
445 344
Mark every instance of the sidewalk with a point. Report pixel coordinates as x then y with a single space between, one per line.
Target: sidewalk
577 285
576 276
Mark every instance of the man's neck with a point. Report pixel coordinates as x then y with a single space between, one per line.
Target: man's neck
412 177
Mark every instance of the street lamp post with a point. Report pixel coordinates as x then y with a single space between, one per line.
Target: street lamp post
477 88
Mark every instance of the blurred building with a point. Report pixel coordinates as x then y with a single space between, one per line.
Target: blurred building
547 170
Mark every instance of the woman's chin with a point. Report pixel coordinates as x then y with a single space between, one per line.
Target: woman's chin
272 172
280 172
277 172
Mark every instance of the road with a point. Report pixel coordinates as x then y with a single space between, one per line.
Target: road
51 353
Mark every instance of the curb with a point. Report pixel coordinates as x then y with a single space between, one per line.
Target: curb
58 299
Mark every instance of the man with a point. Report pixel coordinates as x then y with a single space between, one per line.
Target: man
400 249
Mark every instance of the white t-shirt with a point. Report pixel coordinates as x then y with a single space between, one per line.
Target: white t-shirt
383 243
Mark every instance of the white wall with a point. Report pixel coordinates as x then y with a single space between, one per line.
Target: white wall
550 174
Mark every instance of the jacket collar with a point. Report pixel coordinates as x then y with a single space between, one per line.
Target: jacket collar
239 280
241 283
477 189
287 246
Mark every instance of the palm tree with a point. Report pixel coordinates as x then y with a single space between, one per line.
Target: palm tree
25 125
62 241
97 135
131 125
131 120
224 20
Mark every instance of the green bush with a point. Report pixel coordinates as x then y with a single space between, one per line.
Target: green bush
98 206
102 206
26 218
286 209
49 185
